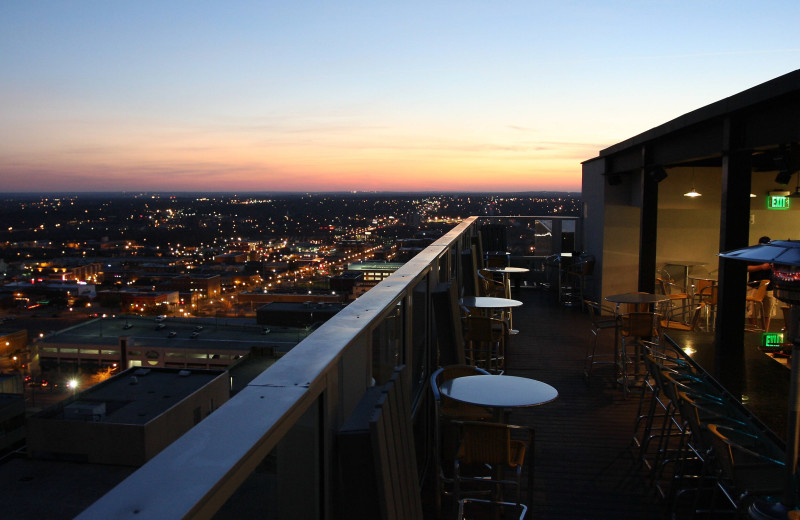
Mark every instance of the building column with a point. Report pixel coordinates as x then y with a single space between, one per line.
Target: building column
734 231
648 226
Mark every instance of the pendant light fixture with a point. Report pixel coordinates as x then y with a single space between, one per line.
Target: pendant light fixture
693 192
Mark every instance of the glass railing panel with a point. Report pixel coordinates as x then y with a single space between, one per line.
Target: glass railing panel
257 496
530 242
420 368
420 339
387 344
286 483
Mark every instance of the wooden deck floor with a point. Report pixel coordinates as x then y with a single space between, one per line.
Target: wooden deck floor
585 468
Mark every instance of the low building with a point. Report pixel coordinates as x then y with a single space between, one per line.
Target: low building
294 314
128 418
13 347
350 284
374 272
231 258
143 300
207 285
41 292
275 296
66 270
136 341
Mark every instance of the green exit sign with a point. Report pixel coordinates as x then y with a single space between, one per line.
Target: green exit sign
771 339
777 202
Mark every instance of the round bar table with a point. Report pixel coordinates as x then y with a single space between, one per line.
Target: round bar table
490 302
494 391
636 298
686 264
709 279
506 272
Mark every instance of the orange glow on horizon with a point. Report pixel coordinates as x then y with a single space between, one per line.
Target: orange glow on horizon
321 169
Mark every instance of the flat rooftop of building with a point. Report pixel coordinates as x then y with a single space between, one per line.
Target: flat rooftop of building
137 395
303 306
54 490
350 274
375 266
217 334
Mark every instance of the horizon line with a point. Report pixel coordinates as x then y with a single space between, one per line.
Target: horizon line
298 192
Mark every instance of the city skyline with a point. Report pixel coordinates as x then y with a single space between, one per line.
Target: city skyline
416 97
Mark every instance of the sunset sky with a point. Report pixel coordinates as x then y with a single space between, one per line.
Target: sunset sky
374 95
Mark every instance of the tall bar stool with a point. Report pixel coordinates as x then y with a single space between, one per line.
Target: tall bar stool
747 466
706 293
756 300
485 342
694 472
681 448
577 273
633 327
603 318
678 299
445 433
664 367
653 402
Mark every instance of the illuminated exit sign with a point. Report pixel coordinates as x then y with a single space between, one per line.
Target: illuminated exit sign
771 339
777 202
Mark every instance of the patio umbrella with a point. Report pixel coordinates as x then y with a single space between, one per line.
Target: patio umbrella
784 255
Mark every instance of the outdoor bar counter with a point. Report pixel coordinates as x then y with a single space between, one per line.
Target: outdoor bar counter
764 382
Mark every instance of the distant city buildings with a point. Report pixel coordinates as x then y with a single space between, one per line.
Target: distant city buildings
83 257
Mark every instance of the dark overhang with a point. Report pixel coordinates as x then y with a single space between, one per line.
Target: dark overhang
767 117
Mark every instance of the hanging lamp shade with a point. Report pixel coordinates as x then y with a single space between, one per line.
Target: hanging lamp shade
693 192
